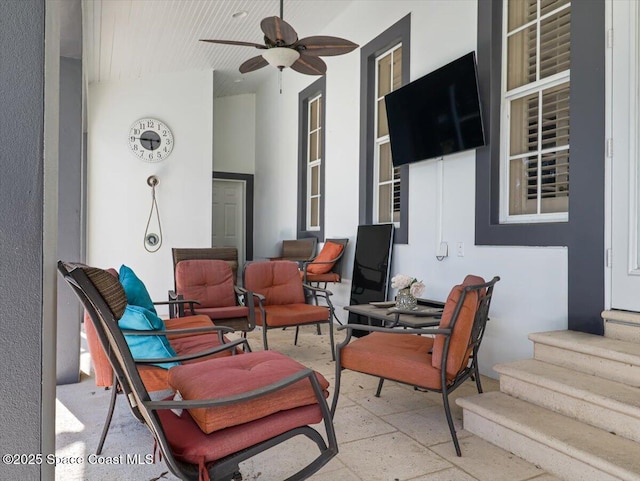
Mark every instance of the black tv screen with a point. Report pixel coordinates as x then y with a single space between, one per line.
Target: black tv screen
437 114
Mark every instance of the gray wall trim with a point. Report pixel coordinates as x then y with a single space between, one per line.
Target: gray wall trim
587 198
583 234
317 87
400 31
70 227
22 28
248 179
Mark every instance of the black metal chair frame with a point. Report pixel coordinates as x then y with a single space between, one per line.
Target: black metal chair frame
145 409
469 371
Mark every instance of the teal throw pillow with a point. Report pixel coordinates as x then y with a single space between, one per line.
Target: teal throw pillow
134 288
146 347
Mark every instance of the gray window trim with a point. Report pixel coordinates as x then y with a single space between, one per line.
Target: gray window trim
319 87
399 32
584 233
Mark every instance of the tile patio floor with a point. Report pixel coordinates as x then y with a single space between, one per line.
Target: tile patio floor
402 435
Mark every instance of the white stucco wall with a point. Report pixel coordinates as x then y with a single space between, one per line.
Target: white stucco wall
119 199
532 295
234 134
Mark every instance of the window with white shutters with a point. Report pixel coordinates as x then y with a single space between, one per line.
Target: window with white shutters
314 162
387 177
536 117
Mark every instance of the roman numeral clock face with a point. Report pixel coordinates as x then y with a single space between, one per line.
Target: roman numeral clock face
150 140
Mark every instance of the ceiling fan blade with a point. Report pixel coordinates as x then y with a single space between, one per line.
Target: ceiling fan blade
254 63
324 45
234 42
310 65
278 31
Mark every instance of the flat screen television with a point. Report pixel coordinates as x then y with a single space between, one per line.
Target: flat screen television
370 280
437 114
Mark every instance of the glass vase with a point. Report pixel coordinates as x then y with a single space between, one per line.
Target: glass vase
405 300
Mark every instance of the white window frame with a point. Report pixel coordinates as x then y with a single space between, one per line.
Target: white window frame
380 141
509 96
316 163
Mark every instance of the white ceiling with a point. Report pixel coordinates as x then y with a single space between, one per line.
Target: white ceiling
129 39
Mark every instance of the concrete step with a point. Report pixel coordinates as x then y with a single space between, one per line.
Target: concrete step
622 325
564 447
608 405
596 355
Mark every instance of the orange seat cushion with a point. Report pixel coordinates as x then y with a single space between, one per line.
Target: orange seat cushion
157 379
329 252
189 444
400 357
293 314
236 375
208 281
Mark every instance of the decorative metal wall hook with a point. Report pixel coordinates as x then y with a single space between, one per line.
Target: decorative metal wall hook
152 241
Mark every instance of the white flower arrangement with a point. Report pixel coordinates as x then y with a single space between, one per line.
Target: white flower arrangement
401 281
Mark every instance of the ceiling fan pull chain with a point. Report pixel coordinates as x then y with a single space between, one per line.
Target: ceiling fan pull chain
152 241
280 79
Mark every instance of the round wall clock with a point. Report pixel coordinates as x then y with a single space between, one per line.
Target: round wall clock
150 140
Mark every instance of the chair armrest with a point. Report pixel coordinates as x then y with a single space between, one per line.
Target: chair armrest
394 330
197 355
246 396
313 261
390 330
317 290
175 302
248 301
260 297
176 299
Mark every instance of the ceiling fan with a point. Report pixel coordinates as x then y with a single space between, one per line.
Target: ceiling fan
282 48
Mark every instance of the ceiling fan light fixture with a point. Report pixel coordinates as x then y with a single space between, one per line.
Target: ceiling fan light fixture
281 57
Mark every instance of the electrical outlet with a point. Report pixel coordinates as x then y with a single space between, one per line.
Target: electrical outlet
460 249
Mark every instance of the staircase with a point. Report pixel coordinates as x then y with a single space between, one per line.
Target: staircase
573 410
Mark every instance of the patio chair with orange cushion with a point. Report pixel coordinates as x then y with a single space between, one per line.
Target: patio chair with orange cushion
439 357
283 301
184 339
230 409
210 283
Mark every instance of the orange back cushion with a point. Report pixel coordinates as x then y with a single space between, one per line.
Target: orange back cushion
458 353
208 281
278 281
330 251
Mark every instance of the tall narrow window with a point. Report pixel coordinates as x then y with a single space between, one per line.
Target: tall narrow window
384 190
536 87
314 162
387 177
311 161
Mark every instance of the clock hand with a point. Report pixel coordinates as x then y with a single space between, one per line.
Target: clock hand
148 140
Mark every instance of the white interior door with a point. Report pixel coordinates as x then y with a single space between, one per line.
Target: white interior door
625 165
229 223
